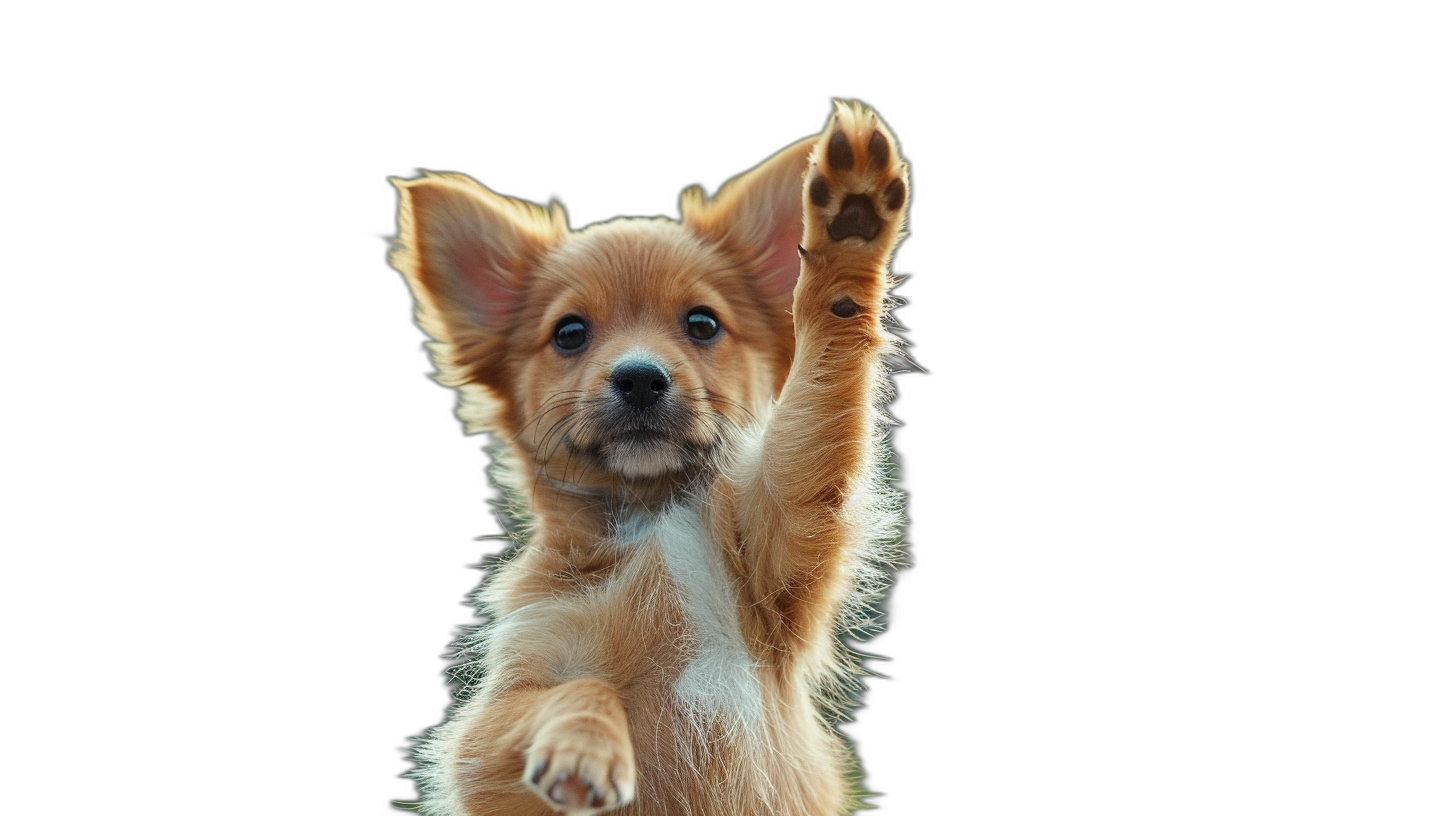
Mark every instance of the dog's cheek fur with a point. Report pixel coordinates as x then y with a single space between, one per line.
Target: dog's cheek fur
759 348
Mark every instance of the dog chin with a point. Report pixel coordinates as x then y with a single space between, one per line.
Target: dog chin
643 457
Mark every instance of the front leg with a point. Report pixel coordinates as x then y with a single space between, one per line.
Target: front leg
533 751
579 757
819 442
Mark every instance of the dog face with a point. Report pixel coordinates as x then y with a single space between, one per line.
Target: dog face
643 347
631 350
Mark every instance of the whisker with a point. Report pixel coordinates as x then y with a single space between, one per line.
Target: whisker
570 421
556 401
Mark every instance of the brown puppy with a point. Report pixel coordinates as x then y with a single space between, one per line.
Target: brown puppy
691 437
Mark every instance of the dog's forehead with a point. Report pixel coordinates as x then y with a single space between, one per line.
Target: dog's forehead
632 260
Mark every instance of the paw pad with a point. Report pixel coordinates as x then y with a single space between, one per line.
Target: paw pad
841 155
856 216
844 307
895 194
879 152
857 183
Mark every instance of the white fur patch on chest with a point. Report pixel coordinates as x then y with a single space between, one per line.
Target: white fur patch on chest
721 677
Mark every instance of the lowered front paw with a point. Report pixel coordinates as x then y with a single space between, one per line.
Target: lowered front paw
581 765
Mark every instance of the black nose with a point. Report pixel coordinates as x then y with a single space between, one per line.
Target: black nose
640 384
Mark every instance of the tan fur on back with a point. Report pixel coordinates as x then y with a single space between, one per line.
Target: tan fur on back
664 637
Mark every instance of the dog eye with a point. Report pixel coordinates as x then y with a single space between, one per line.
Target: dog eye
570 333
703 324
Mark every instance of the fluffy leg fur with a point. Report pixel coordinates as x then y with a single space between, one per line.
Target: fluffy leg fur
797 505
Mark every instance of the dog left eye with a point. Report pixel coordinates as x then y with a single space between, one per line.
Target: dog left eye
703 324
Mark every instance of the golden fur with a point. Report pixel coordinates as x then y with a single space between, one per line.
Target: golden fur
665 639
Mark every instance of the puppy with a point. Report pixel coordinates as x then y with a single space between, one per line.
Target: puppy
690 440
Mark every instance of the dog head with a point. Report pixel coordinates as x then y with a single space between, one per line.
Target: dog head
630 350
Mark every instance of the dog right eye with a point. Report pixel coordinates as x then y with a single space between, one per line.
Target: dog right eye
703 325
570 333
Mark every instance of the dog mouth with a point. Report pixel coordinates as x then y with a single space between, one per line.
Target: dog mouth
606 443
639 439
641 446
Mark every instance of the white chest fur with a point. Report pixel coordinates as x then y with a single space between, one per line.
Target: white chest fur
720 680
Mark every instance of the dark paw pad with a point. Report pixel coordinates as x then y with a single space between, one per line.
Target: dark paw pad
856 216
844 307
879 152
841 155
819 192
895 195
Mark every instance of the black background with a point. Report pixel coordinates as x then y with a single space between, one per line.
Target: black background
1006 657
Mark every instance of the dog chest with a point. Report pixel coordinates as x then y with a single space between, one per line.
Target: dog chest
720 679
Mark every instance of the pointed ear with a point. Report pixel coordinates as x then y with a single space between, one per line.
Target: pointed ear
758 215
465 251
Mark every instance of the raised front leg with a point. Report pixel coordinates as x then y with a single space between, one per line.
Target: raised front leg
819 441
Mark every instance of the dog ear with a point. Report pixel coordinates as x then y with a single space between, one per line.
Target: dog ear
466 254
465 251
759 216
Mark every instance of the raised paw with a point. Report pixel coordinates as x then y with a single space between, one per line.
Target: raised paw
581 765
856 186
